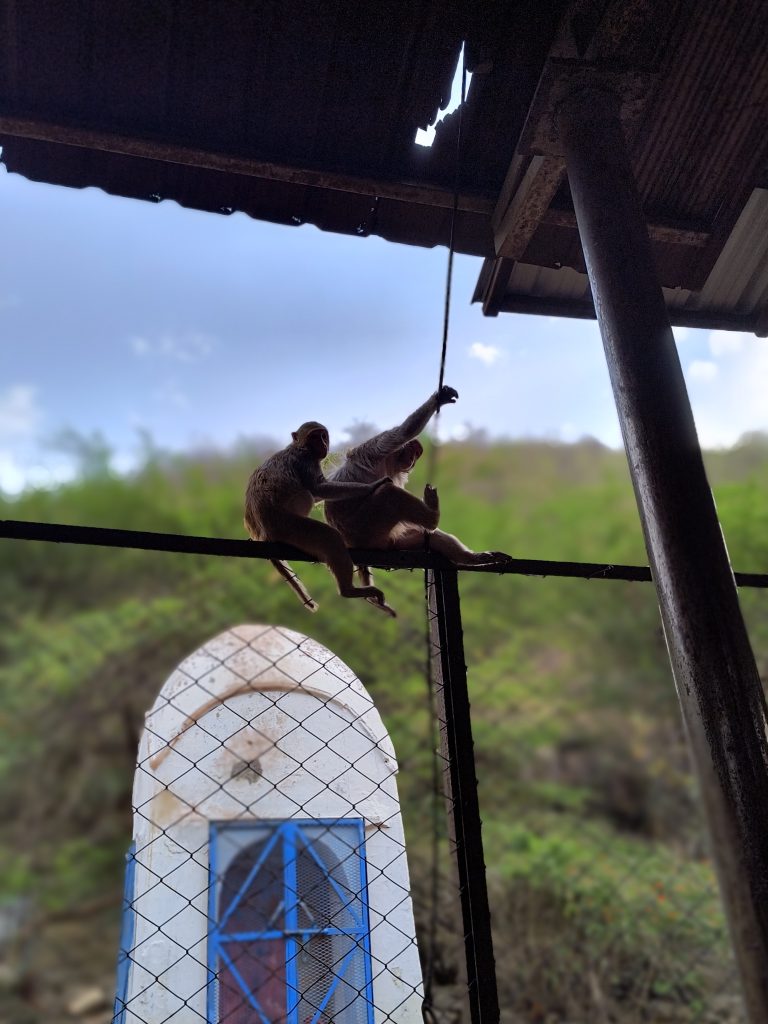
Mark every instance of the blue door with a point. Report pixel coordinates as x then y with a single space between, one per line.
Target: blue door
289 936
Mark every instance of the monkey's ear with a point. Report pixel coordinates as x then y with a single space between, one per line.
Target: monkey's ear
294 435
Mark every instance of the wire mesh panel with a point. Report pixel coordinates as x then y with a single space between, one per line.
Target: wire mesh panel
604 903
271 881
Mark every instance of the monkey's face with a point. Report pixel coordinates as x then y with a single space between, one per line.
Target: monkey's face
318 443
408 456
314 437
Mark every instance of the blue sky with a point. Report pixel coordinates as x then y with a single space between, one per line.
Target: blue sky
121 316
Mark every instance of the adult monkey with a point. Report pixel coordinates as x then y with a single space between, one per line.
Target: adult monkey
392 517
279 498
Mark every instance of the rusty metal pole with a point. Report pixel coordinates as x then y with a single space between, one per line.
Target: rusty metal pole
714 668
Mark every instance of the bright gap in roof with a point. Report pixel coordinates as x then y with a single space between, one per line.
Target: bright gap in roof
426 138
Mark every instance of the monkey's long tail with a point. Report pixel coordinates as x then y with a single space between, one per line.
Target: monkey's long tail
295 583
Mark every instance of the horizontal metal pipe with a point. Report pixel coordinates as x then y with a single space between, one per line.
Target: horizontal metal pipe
100 536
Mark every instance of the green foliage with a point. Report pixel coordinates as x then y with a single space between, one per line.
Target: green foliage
600 885
632 917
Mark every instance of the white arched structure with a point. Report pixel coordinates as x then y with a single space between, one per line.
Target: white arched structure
264 758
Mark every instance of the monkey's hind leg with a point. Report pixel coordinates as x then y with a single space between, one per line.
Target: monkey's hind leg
295 584
326 544
257 532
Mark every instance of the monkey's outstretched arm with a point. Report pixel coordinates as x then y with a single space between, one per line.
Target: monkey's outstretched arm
372 452
331 489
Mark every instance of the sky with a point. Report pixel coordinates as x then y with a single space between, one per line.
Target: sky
129 318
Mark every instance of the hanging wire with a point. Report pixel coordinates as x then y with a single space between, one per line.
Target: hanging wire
432 465
428 1011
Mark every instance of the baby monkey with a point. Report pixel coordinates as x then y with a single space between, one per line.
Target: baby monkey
392 517
279 498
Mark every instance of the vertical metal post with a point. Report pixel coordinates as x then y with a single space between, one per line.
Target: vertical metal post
715 673
452 700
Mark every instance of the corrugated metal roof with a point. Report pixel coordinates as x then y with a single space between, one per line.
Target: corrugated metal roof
739 279
734 296
299 112
696 117
337 86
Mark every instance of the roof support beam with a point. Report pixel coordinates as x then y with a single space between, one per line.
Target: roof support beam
583 309
153 149
529 188
717 681
676 234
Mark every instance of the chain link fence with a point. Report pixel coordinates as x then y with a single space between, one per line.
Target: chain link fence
270 878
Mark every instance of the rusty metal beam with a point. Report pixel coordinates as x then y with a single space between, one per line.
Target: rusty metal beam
676 234
524 199
717 681
154 149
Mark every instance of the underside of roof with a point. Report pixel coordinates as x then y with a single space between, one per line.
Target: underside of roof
293 111
299 111
693 82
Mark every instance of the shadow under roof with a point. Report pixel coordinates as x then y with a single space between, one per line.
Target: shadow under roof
305 112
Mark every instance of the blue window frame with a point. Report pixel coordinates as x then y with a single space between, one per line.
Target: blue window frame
126 937
289 934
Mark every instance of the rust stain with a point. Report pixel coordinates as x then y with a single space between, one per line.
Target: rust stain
288 686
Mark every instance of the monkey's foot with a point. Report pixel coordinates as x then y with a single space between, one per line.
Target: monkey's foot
382 606
431 499
484 557
373 595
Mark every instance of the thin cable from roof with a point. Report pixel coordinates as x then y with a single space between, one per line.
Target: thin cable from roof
428 1012
432 464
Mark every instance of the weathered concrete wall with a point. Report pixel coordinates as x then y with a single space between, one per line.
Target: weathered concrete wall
260 723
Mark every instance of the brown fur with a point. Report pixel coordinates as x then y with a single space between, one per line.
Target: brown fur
279 497
392 517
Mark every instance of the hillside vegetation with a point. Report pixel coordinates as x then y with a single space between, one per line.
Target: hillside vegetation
605 907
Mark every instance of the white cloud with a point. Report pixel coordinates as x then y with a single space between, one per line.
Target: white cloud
19 411
487 354
735 403
460 432
727 342
16 474
185 348
703 369
12 475
124 462
140 346
681 333
171 394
